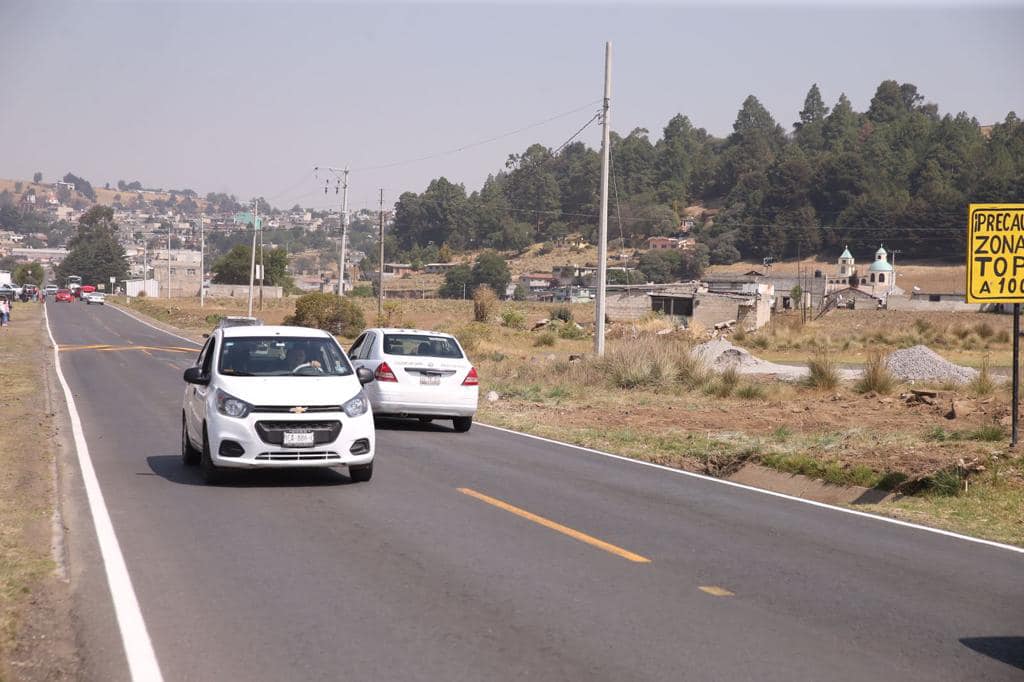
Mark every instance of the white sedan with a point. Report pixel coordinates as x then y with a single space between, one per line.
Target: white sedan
94 297
422 374
267 397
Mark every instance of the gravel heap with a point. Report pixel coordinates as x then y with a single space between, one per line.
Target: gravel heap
721 354
921 363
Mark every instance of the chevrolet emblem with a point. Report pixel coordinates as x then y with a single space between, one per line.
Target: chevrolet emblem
297 410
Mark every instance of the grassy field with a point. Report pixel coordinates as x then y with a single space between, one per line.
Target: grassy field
645 399
27 498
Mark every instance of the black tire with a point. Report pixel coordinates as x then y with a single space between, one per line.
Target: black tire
361 473
425 420
212 474
189 455
462 424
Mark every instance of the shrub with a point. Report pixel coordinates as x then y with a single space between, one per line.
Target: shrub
750 392
983 383
142 294
922 326
513 318
691 371
984 330
485 303
760 342
570 330
1002 336
471 335
545 338
362 291
389 317
876 377
328 312
562 312
823 372
990 433
645 365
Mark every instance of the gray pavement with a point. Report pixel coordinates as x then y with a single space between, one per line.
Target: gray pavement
303 576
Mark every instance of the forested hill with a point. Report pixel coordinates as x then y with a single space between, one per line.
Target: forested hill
899 172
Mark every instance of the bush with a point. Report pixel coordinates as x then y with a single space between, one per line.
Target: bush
984 330
645 365
824 373
512 318
570 330
982 384
471 335
485 303
545 338
390 314
329 312
362 291
876 376
562 312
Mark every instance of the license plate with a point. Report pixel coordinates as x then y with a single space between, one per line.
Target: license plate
298 438
429 380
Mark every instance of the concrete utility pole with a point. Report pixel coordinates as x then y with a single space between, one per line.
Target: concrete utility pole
202 263
344 233
252 262
263 272
168 260
602 239
380 274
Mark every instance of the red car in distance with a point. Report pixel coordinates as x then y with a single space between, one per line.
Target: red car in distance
64 295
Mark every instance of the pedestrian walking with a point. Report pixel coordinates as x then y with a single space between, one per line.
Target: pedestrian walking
5 312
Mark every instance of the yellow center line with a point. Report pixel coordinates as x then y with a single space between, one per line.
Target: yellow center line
108 348
716 591
547 523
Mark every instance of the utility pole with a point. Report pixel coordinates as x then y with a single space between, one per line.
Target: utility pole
263 272
168 260
344 233
602 243
380 275
252 262
202 263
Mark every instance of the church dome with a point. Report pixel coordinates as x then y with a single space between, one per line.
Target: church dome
880 265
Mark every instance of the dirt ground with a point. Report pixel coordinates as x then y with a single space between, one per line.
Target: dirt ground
36 640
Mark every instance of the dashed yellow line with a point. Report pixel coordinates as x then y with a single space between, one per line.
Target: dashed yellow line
106 347
716 591
565 530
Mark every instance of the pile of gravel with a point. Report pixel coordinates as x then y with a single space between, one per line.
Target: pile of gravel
921 363
721 354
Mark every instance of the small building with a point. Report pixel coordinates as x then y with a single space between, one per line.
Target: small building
438 268
662 243
750 309
538 281
180 272
398 269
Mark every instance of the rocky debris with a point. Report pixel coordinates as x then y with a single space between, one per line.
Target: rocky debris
725 325
540 324
492 396
921 363
574 357
960 408
720 354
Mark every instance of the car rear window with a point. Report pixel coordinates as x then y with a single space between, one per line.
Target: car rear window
421 345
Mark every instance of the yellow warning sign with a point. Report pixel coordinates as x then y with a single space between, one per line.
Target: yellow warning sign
995 253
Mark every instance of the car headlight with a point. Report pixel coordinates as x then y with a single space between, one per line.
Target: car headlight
357 406
231 406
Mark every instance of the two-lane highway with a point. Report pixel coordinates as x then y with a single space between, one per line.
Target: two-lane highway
491 555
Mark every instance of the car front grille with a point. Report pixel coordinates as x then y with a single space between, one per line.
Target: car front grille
273 431
297 456
298 409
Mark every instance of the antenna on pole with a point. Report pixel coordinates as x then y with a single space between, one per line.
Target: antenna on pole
602 238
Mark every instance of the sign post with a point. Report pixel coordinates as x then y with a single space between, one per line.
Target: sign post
995 272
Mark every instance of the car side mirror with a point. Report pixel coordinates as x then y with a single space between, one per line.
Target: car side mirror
365 375
194 375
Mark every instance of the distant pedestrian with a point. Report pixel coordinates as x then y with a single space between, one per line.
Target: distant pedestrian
5 312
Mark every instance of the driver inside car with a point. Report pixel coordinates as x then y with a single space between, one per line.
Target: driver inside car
296 360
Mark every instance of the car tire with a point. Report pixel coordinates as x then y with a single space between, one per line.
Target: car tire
425 420
189 455
212 474
462 424
361 473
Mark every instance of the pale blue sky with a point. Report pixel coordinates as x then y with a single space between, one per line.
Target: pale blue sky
247 97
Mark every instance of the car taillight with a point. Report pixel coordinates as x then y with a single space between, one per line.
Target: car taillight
471 379
384 373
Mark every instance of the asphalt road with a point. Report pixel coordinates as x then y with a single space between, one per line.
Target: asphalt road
417 576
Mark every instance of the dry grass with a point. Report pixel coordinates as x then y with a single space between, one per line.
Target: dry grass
824 374
876 378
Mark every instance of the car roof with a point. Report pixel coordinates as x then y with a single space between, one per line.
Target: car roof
271 330
400 330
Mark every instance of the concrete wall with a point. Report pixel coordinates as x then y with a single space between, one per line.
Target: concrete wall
710 309
901 303
241 291
627 306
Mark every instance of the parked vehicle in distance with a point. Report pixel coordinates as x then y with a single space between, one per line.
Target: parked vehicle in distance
10 291
422 374
238 321
271 397
94 297
64 295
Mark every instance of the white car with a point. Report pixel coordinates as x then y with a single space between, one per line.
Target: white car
418 373
94 297
271 397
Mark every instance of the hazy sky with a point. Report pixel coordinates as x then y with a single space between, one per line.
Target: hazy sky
247 98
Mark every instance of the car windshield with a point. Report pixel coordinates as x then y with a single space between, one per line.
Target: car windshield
276 356
421 345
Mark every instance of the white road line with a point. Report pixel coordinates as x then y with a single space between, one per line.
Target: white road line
138 648
722 481
153 326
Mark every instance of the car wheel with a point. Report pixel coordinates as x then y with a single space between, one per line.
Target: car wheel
425 420
361 473
189 455
462 424
212 474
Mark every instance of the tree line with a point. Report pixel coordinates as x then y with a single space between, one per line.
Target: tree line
899 172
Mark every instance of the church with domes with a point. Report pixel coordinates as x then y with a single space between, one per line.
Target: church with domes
878 279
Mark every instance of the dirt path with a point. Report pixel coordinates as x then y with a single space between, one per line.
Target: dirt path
36 636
